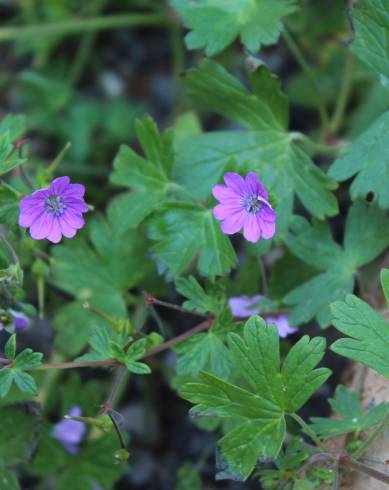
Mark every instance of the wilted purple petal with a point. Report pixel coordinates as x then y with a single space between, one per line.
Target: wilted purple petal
70 433
282 324
245 306
244 204
54 212
21 321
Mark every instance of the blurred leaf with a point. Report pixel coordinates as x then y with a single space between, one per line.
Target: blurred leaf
94 464
216 24
188 478
371 24
19 431
368 159
347 406
99 272
260 412
8 480
368 332
366 236
10 347
27 359
182 231
9 205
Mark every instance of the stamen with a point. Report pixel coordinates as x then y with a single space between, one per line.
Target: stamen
252 204
55 205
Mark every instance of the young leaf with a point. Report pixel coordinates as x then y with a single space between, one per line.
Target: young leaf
371 24
136 351
198 299
368 332
259 411
11 128
347 405
366 236
10 347
217 23
368 159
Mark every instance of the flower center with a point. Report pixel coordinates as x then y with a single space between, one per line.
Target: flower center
252 204
55 205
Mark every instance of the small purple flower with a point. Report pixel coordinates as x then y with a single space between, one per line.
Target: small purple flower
70 433
244 203
53 212
21 321
245 306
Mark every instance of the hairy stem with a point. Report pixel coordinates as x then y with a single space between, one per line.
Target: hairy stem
308 431
346 460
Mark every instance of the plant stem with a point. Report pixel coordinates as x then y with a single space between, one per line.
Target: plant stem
176 307
344 93
120 375
296 51
363 468
373 436
113 362
308 431
77 26
317 148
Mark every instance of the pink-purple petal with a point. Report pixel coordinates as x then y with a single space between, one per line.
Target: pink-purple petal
233 223
224 194
251 228
223 211
236 182
55 234
268 229
74 190
59 185
41 228
255 186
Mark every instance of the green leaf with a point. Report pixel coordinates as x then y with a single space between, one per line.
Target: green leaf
188 478
370 44
198 299
10 347
203 351
19 430
148 176
265 148
368 159
94 464
98 271
366 236
136 351
27 359
368 333
8 480
347 405
182 231
6 379
9 205
217 23
11 128
259 411
25 382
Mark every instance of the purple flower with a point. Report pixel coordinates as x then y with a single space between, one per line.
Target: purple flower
70 433
53 212
245 306
244 203
21 321
14 321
